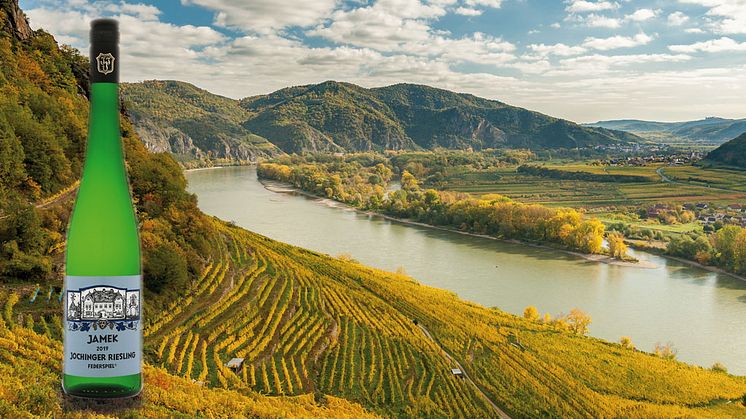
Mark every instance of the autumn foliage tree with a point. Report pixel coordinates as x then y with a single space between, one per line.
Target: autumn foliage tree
617 247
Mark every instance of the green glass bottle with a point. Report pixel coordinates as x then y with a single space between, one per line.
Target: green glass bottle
103 325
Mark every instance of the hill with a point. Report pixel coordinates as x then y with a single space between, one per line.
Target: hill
334 116
732 153
711 131
191 123
305 322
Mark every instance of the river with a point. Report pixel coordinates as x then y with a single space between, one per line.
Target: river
702 313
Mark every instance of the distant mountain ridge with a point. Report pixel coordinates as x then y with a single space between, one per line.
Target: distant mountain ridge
711 130
334 116
192 123
732 153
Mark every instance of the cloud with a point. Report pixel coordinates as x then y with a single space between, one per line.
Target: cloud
387 25
677 19
486 3
559 49
641 15
465 11
597 63
618 41
583 6
264 16
713 45
404 26
374 43
144 37
730 15
598 21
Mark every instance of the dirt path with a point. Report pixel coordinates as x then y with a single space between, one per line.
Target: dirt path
500 413
62 197
42 205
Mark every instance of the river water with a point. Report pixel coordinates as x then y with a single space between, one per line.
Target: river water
702 313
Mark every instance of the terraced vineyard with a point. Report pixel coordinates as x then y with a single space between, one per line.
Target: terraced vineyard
30 364
302 332
307 323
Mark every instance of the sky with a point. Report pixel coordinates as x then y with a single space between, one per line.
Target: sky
584 60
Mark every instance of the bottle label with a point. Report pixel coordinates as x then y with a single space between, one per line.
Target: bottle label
103 331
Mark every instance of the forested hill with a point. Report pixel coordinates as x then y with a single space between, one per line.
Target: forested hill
193 124
732 153
334 116
334 333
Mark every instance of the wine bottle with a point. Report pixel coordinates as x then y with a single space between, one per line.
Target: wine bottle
103 305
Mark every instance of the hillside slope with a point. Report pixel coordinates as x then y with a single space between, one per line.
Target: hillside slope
30 364
334 116
191 123
732 153
710 130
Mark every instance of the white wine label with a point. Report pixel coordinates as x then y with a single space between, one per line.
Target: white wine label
103 331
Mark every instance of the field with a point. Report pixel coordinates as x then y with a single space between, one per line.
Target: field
587 194
307 323
708 177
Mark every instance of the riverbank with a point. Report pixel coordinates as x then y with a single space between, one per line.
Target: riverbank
660 251
281 187
196 169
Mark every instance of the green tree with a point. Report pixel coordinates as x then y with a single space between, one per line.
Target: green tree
725 245
165 268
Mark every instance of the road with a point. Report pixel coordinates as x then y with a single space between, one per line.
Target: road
42 205
500 413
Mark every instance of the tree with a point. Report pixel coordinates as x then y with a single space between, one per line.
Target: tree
725 245
578 321
666 351
409 182
626 342
739 253
165 268
531 313
617 247
718 367
588 236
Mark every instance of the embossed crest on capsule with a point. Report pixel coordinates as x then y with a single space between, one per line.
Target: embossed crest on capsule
105 63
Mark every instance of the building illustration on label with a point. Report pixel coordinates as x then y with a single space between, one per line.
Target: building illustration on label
104 306
105 63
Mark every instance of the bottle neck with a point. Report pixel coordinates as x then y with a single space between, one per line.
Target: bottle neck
104 150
